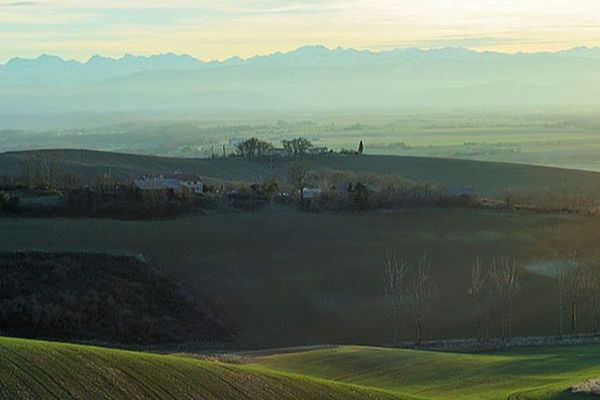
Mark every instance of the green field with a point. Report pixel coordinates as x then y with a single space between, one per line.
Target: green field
45 370
487 178
526 374
288 278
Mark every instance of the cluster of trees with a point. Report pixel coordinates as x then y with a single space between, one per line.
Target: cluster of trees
494 287
125 201
347 191
297 147
577 280
253 148
495 284
82 296
569 202
43 173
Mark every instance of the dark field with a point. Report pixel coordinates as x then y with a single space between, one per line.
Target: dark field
487 178
284 278
85 296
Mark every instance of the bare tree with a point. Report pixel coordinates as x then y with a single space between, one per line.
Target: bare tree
299 175
297 146
253 148
422 292
571 281
505 274
477 291
409 289
25 171
561 277
395 289
587 286
105 182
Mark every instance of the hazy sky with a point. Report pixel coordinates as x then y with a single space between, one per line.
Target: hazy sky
220 29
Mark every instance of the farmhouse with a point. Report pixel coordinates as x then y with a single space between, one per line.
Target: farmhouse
311 193
315 151
177 183
279 152
459 192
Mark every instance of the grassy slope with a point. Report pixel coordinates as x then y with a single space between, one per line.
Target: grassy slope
44 370
488 178
35 369
535 374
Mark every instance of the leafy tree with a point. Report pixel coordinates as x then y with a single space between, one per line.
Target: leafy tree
297 146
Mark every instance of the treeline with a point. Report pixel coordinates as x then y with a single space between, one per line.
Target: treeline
255 148
44 173
299 185
81 296
494 288
586 203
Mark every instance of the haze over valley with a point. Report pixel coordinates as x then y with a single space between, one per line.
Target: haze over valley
298 199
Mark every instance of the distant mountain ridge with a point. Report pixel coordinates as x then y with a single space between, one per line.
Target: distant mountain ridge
308 77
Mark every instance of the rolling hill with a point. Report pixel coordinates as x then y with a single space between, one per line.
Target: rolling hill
526 374
487 178
45 370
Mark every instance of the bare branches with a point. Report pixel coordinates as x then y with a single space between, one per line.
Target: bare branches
478 292
300 175
253 148
495 283
297 146
505 273
421 293
395 288
409 290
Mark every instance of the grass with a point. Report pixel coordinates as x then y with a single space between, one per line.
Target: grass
285 278
537 374
45 370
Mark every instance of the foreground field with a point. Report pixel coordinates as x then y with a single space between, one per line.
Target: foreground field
526 374
44 370
282 278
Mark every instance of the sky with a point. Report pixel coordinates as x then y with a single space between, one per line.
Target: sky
219 29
